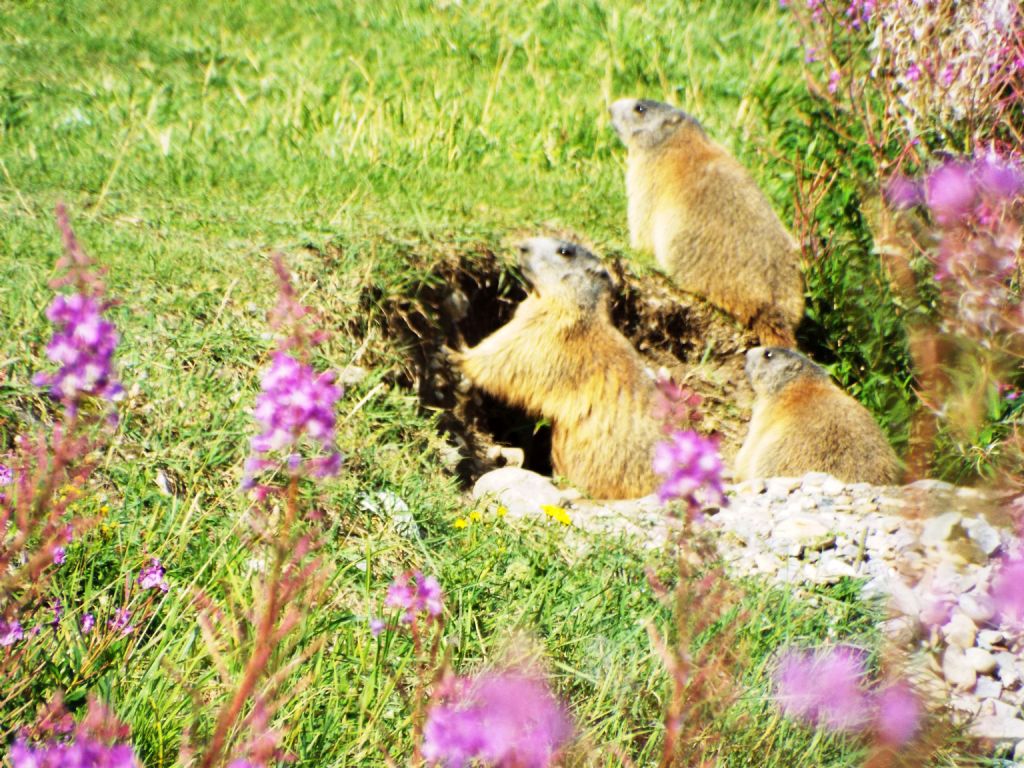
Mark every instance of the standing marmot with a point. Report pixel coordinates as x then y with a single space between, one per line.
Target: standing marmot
560 357
709 226
802 422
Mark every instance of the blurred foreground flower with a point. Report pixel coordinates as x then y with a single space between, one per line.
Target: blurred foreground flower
504 719
692 469
829 689
94 743
1008 591
152 576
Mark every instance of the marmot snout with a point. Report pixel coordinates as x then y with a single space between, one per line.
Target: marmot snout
708 224
803 422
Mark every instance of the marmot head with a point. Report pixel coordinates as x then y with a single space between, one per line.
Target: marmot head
769 369
646 124
557 268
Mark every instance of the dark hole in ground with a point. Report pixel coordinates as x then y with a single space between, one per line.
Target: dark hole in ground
468 297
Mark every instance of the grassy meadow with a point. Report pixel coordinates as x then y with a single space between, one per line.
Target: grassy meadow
365 141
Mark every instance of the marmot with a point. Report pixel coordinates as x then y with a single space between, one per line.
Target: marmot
561 357
709 226
803 422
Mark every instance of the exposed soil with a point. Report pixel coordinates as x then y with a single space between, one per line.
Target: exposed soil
471 295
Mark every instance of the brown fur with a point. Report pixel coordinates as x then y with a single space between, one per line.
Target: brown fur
560 357
702 215
802 422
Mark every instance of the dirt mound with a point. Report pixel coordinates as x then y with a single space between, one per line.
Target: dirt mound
470 295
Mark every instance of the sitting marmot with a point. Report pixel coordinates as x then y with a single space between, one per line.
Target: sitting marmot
802 422
709 226
560 357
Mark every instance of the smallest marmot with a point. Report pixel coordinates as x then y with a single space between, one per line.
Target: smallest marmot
803 422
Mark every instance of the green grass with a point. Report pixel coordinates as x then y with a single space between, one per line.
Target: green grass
190 140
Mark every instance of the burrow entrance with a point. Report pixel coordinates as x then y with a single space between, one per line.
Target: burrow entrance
469 296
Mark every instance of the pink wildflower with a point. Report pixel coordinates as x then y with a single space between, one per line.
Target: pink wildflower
1008 591
152 576
950 192
504 719
10 632
691 465
6 475
834 80
294 401
83 346
415 593
122 621
898 714
88 622
823 688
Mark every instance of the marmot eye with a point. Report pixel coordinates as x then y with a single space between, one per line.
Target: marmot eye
639 109
768 354
564 250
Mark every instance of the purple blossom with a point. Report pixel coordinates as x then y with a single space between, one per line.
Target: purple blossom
58 613
823 688
59 554
122 621
376 626
10 632
88 622
998 178
690 464
833 81
81 752
898 714
6 475
152 576
1008 591
504 719
294 400
950 192
913 73
83 346
902 192
415 593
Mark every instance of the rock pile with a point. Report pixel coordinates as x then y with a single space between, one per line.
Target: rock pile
928 548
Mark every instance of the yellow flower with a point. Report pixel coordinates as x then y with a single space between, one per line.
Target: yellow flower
502 511
557 512
475 515
460 522
104 509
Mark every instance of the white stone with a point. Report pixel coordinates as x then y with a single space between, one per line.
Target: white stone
985 537
815 479
520 491
998 729
800 528
960 631
987 688
977 608
1018 752
989 638
957 670
781 486
833 486
838 568
983 662
940 528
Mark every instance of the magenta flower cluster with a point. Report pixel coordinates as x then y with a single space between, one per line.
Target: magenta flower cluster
83 752
152 576
692 469
414 594
83 346
977 207
294 401
96 742
10 632
504 719
828 689
1007 591
6 475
